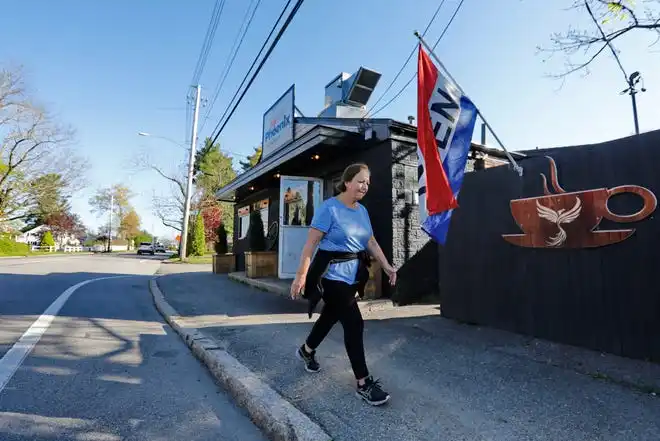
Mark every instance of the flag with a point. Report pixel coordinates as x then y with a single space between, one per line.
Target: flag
446 120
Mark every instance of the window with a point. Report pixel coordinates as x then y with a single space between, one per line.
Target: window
262 206
300 197
243 222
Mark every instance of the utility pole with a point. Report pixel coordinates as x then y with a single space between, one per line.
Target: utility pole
633 80
191 165
112 202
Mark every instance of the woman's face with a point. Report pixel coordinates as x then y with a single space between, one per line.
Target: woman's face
359 185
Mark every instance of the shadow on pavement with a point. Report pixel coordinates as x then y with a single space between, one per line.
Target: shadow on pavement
107 368
449 381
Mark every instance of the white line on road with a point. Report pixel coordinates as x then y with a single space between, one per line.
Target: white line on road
16 355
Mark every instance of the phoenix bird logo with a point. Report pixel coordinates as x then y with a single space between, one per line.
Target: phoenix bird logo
558 218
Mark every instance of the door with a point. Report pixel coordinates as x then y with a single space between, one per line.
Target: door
300 197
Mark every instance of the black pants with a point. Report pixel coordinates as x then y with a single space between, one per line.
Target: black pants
341 305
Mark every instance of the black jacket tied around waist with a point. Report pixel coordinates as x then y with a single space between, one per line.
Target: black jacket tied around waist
313 291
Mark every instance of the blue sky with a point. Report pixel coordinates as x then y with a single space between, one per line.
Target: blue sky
111 69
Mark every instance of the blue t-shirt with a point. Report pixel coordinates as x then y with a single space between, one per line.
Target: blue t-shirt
346 229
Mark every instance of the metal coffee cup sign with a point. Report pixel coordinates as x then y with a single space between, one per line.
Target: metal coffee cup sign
570 220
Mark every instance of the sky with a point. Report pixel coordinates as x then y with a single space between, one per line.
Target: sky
111 69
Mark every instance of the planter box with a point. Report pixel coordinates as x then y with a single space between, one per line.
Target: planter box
224 263
260 264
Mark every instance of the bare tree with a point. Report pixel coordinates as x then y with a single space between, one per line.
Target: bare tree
612 20
169 208
32 144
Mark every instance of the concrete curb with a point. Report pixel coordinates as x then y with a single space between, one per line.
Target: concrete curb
274 415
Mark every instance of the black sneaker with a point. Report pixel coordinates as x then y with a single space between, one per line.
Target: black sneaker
311 365
372 393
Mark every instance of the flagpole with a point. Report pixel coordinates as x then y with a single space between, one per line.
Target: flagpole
516 167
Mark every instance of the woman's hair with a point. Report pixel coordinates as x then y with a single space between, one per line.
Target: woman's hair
349 173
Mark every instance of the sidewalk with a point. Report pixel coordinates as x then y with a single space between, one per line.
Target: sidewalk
448 381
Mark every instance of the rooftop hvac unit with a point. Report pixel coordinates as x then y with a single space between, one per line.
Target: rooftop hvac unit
346 96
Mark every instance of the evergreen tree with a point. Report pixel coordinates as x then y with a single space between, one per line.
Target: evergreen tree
47 240
221 246
252 160
256 234
198 245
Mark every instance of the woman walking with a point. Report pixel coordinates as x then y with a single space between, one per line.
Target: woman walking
341 229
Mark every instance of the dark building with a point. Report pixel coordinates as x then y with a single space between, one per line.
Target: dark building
302 162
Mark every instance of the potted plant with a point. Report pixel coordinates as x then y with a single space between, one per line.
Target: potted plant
258 261
223 261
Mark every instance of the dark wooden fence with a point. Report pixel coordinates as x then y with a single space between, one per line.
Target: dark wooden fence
606 298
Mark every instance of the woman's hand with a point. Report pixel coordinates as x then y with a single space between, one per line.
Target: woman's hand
391 273
297 286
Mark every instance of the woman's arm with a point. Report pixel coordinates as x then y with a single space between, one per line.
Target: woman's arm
374 250
377 252
313 239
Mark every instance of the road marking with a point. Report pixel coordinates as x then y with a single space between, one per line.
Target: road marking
13 359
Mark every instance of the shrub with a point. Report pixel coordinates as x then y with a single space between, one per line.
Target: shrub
47 240
221 246
256 237
10 248
198 245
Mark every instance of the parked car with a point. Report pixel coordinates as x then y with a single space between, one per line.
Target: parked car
145 248
160 248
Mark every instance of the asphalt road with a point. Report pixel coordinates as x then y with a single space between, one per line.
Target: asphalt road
105 366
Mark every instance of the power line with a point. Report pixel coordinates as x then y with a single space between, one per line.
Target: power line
263 46
292 14
231 57
451 20
208 40
407 60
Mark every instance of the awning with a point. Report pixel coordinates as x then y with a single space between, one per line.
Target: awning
318 134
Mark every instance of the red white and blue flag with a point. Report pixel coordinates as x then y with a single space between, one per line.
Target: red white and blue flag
446 120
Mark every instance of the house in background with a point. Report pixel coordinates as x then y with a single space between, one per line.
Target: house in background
33 237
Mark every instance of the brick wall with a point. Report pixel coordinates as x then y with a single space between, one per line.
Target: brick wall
415 260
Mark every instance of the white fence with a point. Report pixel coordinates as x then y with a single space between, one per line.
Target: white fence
43 249
65 248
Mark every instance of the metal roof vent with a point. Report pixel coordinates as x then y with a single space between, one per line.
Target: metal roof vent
346 96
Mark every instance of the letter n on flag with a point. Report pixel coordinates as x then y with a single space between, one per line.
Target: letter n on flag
446 120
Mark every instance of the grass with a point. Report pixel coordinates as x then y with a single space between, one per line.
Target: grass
199 260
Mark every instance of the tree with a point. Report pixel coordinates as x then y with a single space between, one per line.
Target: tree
256 236
252 160
48 197
118 196
142 236
213 169
198 244
221 245
612 21
63 224
47 240
130 225
212 215
214 172
32 144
